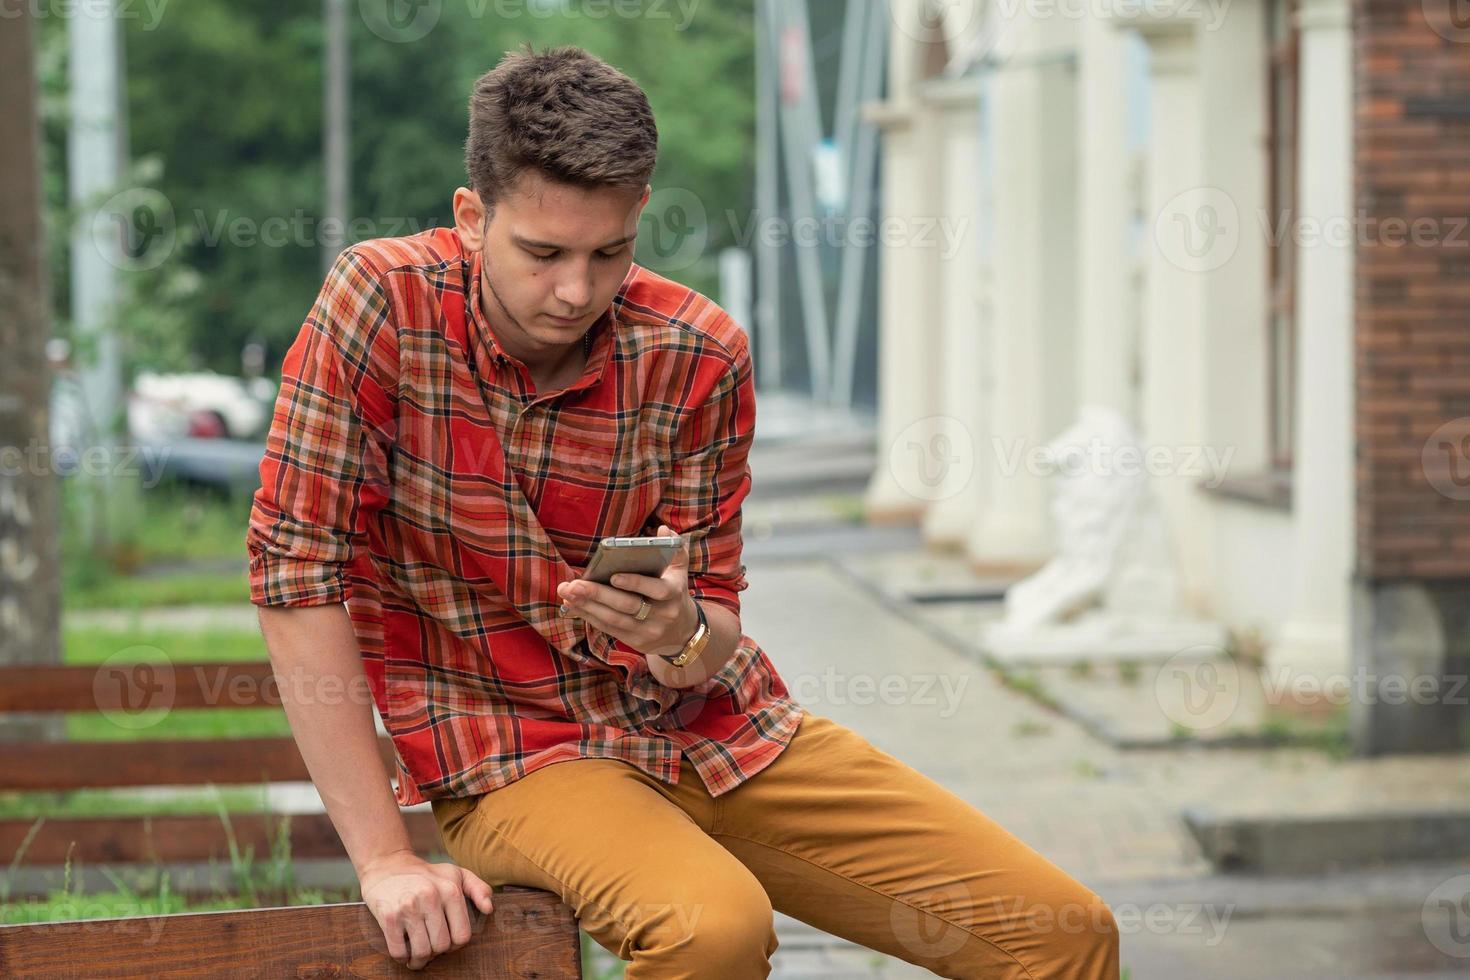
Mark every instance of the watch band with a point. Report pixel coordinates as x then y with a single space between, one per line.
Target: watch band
695 645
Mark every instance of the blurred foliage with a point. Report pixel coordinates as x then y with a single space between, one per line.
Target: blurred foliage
224 118
171 545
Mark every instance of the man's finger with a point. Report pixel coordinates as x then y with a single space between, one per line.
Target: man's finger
393 934
681 557
643 585
458 917
476 888
618 598
419 950
610 621
434 914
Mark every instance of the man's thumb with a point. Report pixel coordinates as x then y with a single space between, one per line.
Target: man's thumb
682 556
476 888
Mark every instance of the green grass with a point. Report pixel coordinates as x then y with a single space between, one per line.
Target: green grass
1029 728
173 589
183 724
254 881
598 963
1028 684
184 526
115 803
165 525
95 644
1329 734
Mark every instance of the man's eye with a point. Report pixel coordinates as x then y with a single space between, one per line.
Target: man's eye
610 255
544 258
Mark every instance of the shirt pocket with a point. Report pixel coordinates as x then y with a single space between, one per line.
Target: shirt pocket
601 486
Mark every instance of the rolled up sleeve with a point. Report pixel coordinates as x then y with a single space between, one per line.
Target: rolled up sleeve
325 469
710 480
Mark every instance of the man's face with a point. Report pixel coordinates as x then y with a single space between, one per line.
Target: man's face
554 256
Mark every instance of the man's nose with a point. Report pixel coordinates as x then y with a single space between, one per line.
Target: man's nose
575 286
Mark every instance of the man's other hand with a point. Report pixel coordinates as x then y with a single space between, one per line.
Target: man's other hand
421 906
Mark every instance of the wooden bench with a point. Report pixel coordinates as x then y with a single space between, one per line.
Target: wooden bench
62 766
336 932
529 934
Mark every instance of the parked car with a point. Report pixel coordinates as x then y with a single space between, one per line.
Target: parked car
201 405
200 426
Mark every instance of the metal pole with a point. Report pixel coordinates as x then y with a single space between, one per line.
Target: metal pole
855 259
849 74
767 202
98 239
336 133
800 131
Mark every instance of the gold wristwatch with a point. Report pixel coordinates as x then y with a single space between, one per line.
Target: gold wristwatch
696 643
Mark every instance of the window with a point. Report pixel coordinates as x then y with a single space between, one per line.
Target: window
1282 44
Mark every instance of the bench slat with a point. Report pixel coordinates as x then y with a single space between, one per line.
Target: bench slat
184 837
179 762
529 934
113 687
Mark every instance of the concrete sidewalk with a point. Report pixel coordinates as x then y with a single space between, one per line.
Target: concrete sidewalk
1111 817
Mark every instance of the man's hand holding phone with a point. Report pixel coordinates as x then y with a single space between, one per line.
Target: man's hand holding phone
671 618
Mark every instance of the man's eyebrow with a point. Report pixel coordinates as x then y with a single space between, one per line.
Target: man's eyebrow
531 243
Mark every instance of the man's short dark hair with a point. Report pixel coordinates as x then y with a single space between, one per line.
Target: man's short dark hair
563 112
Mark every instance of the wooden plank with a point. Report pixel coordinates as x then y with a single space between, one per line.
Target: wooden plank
131 688
529 934
184 837
181 762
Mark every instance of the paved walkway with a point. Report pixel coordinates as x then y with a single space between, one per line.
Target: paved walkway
1110 817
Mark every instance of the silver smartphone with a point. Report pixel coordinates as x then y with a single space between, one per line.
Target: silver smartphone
649 555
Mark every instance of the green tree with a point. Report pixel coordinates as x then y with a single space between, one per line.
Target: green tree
224 105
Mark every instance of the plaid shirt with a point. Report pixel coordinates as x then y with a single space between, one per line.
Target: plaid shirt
412 471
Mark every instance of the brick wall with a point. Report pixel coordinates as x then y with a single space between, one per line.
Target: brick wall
1412 165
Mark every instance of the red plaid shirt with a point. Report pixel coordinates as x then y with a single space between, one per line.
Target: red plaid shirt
412 471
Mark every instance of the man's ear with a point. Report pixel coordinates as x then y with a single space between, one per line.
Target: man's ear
636 213
469 219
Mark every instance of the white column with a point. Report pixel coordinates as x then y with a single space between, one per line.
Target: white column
1314 638
1106 340
1032 101
908 337
956 109
1179 218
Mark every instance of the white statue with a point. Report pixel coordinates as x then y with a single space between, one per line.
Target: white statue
1110 590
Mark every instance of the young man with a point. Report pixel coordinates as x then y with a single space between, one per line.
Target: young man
464 415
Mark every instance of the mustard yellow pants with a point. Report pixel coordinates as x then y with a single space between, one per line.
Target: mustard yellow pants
835 833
